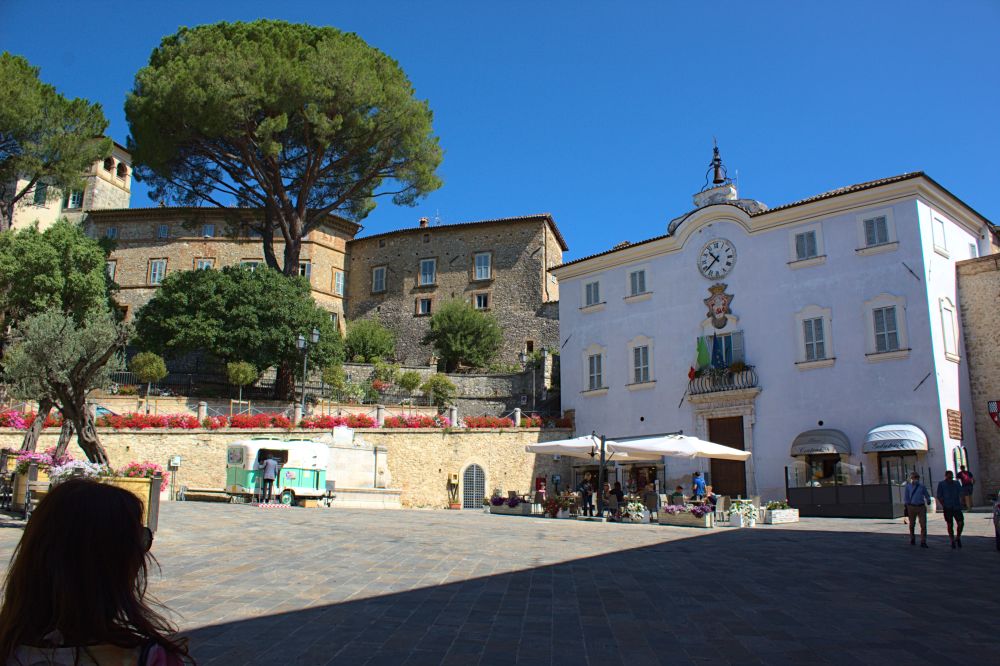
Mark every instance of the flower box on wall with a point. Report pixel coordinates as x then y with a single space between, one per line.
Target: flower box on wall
686 519
779 516
739 520
522 509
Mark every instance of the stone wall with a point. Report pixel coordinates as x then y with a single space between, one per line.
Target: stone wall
419 461
518 291
138 242
979 296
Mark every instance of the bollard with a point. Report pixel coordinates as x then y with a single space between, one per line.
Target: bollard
296 416
453 415
202 411
380 415
517 417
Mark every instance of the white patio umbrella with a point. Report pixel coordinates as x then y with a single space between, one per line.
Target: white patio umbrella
586 446
677 446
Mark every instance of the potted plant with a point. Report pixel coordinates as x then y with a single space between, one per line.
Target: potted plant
778 511
742 513
510 506
700 515
634 512
558 507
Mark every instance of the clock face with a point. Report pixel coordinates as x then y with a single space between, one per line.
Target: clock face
717 258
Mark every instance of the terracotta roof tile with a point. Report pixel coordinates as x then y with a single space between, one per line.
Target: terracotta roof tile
499 220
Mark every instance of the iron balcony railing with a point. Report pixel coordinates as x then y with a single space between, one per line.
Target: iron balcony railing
714 381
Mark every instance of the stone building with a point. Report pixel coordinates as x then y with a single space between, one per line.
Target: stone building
107 184
151 243
500 266
978 296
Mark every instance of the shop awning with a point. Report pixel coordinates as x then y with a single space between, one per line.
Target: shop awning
896 437
822 440
678 446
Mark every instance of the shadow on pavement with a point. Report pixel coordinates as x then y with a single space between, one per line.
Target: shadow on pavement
770 596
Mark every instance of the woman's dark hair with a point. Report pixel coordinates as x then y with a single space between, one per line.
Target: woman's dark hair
80 570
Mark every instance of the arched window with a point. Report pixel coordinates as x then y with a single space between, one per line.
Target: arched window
473 487
122 170
109 164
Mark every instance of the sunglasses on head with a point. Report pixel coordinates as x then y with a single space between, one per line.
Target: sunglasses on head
147 538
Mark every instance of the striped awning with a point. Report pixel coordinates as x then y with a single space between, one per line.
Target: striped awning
895 437
819 441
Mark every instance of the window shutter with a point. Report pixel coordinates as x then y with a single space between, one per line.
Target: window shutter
642 282
811 244
870 238
800 246
738 355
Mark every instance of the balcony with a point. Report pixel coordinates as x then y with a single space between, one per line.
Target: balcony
717 380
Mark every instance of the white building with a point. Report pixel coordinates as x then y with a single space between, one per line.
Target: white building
830 317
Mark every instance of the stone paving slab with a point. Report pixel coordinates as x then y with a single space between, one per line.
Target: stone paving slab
316 586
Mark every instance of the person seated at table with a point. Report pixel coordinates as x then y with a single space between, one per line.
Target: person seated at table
677 497
650 499
710 496
618 492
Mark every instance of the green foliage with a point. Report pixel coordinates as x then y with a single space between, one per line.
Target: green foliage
462 335
409 381
358 358
43 136
237 315
496 368
296 119
335 377
386 372
369 340
439 389
148 367
241 373
59 268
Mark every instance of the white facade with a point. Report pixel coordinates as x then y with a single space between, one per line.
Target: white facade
816 330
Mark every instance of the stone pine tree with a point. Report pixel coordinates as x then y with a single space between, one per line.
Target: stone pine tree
464 336
45 138
54 356
241 373
148 368
299 121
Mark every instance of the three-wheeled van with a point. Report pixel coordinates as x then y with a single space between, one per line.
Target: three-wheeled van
302 466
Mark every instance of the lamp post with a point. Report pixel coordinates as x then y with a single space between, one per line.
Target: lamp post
304 348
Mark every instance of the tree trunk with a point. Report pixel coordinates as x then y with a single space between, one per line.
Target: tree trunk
284 382
293 246
86 433
65 435
267 233
31 435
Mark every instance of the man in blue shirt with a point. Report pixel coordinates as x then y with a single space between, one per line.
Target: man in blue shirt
698 486
949 494
916 498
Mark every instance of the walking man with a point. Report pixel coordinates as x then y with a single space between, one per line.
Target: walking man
967 481
949 494
587 494
269 470
916 498
698 486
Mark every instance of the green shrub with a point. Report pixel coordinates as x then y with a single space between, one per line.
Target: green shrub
370 340
440 390
462 335
409 381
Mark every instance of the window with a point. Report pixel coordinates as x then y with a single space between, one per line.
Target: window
876 231
427 238
592 295
204 264
111 233
423 306
640 364
251 264
805 245
381 242
950 329
111 268
428 271
208 230
529 346
41 193
482 301
338 283
157 269
940 241
595 379
725 348
814 339
162 231
637 283
75 199
886 332
378 279
335 320
109 164
973 250
305 269
483 266
121 171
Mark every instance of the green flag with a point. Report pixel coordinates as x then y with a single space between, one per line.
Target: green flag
703 358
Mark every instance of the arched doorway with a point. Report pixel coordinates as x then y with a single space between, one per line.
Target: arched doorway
473 487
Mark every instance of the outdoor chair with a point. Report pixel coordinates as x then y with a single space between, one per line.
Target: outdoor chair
612 506
722 509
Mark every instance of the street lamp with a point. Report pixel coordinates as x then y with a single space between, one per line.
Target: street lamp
304 348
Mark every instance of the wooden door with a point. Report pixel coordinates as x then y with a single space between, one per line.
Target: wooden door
729 477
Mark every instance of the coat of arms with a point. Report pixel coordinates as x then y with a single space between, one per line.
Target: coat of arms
718 304
994 411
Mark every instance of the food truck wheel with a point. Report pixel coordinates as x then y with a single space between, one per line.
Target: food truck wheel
288 498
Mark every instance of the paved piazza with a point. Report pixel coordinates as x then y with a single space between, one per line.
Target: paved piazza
314 586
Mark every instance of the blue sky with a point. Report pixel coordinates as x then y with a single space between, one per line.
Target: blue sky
603 113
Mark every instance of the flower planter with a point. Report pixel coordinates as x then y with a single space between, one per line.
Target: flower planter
638 520
21 488
739 520
563 513
779 516
137 486
522 509
687 520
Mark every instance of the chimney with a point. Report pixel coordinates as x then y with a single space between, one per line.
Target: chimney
423 222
